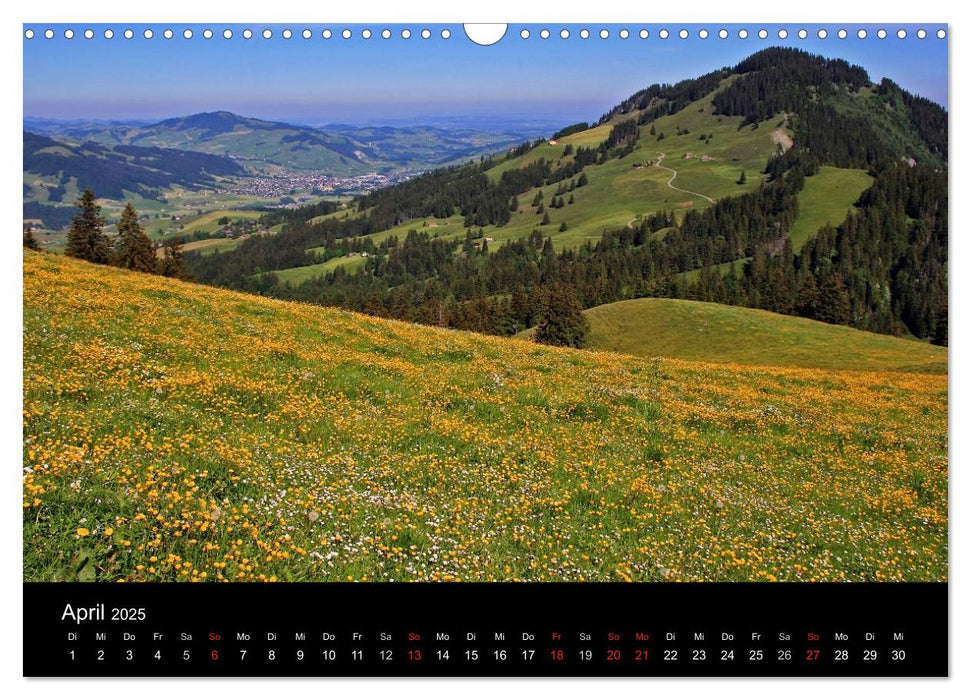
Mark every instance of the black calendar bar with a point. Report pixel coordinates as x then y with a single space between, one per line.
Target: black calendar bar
468 629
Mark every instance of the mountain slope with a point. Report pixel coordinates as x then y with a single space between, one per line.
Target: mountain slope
244 138
777 165
179 432
111 171
700 331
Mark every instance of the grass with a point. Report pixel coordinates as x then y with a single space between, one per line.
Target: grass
826 199
174 432
209 245
296 275
700 331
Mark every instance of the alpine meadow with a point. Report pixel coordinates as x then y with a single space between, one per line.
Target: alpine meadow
702 337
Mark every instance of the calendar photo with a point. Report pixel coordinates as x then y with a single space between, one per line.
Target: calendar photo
550 303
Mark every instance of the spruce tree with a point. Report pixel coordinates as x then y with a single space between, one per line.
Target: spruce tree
561 320
546 219
741 179
86 239
172 263
30 242
134 249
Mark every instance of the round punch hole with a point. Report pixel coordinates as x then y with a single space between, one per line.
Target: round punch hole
327 34
941 34
168 33
306 34
901 33
921 33
425 34
227 33
663 33
129 34
802 34
584 33
703 33
624 34
604 34
405 33
861 33
109 34
247 34
544 34
68 33
821 34
148 34
842 34
446 33
783 34
187 34
743 33
722 33
524 34
683 34
564 33
643 34
763 34
89 34
385 33
881 33
287 34
207 34
366 34
29 34
346 33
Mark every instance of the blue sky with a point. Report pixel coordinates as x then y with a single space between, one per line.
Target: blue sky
393 80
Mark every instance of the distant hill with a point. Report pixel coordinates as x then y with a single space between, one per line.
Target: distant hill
341 150
111 171
700 331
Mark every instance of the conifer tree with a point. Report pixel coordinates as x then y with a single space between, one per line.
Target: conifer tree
546 219
86 239
561 319
834 300
741 179
134 249
172 263
30 242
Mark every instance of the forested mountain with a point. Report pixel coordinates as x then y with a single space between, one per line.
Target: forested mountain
112 170
882 267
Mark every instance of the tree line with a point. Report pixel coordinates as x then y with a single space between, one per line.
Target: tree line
131 249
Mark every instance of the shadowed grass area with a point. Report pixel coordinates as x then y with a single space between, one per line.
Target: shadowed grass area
694 330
